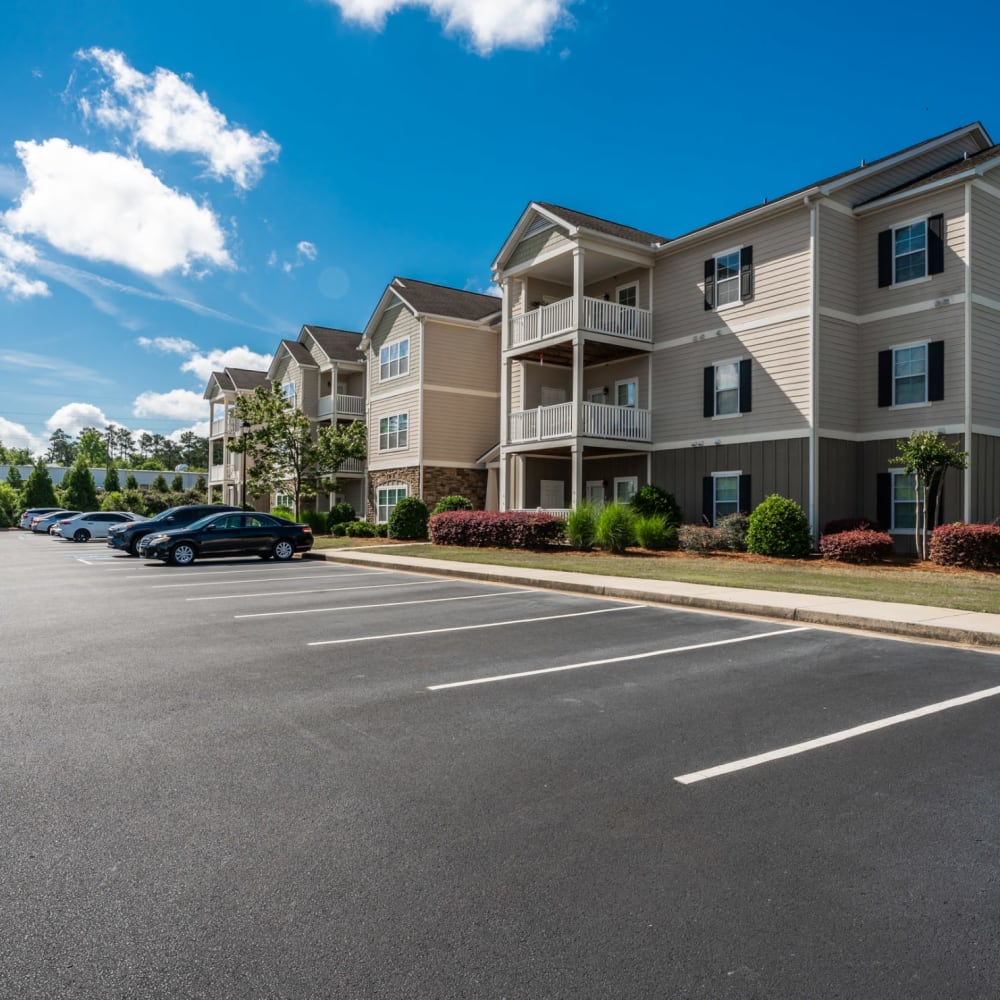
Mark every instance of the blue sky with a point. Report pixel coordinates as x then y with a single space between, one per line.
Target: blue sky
183 184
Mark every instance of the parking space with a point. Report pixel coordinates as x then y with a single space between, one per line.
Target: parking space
453 782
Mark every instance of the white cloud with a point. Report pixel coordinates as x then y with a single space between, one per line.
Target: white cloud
177 404
307 249
13 282
202 365
18 436
201 429
103 206
490 24
165 113
73 417
473 285
46 366
304 251
169 345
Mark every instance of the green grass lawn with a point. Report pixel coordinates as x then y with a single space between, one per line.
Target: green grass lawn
903 583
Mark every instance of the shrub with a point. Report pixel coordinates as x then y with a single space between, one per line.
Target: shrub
495 529
408 520
286 512
615 529
452 503
9 503
649 500
340 513
159 484
382 530
111 482
862 545
131 483
316 520
835 527
155 503
700 538
177 483
339 530
581 526
654 532
779 527
361 529
971 546
733 528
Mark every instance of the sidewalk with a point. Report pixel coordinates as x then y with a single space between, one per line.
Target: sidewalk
911 620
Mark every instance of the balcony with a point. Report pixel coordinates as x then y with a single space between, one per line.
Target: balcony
225 427
608 318
352 466
597 420
347 406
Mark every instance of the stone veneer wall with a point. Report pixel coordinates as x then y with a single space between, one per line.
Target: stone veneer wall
438 482
409 477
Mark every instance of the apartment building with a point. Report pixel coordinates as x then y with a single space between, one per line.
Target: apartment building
433 396
784 349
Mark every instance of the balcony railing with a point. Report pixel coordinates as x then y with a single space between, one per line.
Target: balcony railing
597 420
352 465
347 406
609 318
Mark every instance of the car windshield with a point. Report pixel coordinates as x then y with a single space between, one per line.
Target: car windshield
202 521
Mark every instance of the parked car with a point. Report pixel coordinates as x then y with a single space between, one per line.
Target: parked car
32 512
43 522
94 524
240 534
126 537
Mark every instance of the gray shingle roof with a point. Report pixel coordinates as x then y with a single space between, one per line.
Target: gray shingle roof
605 226
439 300
338 345
299 353
246 378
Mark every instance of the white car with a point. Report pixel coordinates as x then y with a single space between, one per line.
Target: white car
94 524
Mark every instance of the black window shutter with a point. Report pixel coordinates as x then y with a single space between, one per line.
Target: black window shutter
885 258
744 494
935 370
708 499
746 399
709 284
885 378
935 244
883 500
708 407
746 274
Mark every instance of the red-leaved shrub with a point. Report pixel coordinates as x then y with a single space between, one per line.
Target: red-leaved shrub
858 546
971 546
495 529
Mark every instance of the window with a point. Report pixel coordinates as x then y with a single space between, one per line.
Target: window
627 392
724 493
628 295
283 500
729 278
911 374
392 432
288 388
911 251
904 502
727 389
394 360
625 488
387 498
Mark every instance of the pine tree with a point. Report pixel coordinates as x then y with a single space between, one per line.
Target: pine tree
38 488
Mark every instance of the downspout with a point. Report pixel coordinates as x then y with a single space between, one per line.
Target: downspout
813 364
967 376
505 382
420 408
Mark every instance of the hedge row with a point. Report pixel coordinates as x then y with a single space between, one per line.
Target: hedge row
862 545
493 529
971 546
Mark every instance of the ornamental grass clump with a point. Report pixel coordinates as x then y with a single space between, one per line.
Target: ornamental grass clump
581 526
779 527
615 529
655 532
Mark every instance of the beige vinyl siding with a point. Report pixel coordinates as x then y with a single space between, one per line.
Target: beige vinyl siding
464 357
950 203
986 239
537 291
838 261
779 384
903 173
985 465
288 370
985 366
516 401
599 376
317 352
458 428
395 325
405 402
946 323
551 240
610 286
838 381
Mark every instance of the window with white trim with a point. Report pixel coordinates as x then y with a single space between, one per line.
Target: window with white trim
627 392
628 295
909 252
283 500
288 390
904 501
626 487
727 278
386 499
394 360
392 432
909 375
726 495
728 388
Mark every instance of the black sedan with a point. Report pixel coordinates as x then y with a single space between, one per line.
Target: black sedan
228 535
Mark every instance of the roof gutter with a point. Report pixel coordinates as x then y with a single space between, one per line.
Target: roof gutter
892 199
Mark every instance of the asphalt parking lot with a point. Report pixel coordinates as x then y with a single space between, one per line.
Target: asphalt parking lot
302 780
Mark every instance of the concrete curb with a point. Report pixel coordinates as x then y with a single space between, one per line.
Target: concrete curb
903 620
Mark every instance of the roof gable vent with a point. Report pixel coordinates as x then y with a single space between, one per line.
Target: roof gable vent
537 224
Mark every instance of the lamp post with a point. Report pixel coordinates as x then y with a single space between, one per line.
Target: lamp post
244 427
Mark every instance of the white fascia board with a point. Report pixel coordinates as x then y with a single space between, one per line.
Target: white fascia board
517 232
915 192
370 327
479 324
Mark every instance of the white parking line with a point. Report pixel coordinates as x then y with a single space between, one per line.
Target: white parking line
267 578
393 604
467 628
317 590
613 659
845 734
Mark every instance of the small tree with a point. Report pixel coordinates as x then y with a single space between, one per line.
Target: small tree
159 484
131 483
80 488
111 483
38 488
927 456
408 520
177 483
14 479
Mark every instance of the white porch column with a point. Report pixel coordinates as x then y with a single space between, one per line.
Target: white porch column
576 480
577 287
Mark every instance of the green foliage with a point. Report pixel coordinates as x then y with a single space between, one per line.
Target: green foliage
408 520
339 530
733 528
340 513
79 488
111 482
177 483
10 502
653 531
159 484
14 478
316 520
650 499
971 546
128 500
91 448
700 538
15 456
615 528
38 488
361 529
779 527
581 526
62 449
452 503
286 512
859 545
131 483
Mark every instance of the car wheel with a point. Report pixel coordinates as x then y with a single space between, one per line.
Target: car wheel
182 554
283 549
81 535
133 546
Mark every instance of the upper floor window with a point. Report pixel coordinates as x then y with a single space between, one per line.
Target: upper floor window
627 393
628 295
392 432
727 389
911 251
394 360
911 374
729 278
288 389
